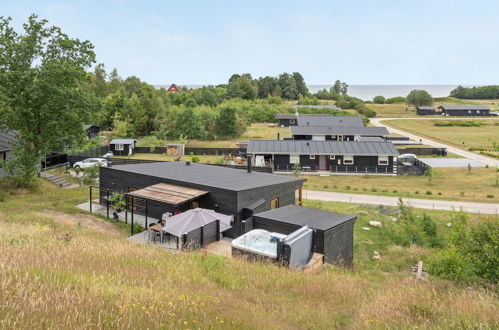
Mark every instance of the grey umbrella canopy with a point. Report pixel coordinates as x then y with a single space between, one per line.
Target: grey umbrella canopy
193 219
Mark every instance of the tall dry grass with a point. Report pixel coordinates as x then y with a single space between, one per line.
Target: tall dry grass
66 272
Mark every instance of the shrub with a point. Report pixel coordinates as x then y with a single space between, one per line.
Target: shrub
490 196
471 254
416 192
379 99
428 192
395 191
440 193
195 159
347 187
396 100
374 190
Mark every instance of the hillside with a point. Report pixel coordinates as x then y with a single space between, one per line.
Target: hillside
62 269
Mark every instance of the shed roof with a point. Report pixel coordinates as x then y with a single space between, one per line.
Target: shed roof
339 130
304 216
7 139
317 106
168 193
89 126
329 120
463 107
307 147
123 141
207 175
285 116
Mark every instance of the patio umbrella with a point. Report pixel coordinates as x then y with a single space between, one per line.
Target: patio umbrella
193 219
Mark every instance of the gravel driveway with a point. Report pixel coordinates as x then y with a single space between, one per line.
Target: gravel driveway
451 162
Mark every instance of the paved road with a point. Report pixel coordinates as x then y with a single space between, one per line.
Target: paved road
328 196
457 151
451 162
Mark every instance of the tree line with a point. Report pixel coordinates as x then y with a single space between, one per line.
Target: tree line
482 92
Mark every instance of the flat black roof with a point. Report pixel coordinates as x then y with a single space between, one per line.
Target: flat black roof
339 130
329 120
304 216
208 175
463 107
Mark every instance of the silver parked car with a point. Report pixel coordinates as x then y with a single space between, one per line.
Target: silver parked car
90 162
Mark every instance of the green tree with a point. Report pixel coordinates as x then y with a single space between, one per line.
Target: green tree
379 99
336 88
419 97
227 121
190 125
42 71
290 90
301 86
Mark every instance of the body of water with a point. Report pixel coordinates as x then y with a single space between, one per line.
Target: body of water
368 92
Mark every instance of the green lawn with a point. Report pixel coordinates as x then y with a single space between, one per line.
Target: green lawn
63 268
447 184
477 137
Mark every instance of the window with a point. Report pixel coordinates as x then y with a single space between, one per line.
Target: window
294 159
332 157
469 111
292 121
348 160
298 197
382 160
312 156
119 147
274 203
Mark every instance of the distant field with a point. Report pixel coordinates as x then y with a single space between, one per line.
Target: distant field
451 183
476 137
399 110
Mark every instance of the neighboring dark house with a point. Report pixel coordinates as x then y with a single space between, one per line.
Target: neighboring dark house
122 147
329 156
329 120
319 106
464 110
333 231
91 131
426 111
286 119
336 133
7 139
225 190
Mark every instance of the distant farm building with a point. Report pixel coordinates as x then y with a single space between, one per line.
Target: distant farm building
425 111
464 110
173 89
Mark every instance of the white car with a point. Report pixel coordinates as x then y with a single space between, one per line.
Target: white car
409 158
90 162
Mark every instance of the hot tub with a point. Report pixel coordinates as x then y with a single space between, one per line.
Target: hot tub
257 244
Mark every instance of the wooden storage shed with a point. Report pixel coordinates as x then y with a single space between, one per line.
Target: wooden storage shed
333 231
122 147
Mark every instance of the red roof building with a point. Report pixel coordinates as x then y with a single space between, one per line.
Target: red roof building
173 89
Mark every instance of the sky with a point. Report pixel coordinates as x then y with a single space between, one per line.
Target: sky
360 42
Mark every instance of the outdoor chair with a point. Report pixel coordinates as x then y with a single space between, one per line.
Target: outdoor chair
153 234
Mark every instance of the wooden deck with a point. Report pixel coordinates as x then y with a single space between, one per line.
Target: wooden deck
224 249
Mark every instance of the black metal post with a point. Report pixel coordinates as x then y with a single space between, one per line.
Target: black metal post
202 236
184 241
90 199
126 208
107 202
218 229
131 229
146 213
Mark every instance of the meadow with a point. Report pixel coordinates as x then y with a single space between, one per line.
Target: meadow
462 137
446 183
65 269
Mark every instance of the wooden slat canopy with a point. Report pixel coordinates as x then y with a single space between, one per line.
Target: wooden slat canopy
168 193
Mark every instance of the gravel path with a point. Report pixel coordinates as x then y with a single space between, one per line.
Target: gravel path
430 204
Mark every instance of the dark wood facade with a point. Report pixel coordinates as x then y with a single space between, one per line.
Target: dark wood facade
221 200
336 243
361 164
326 137
125 151
287 122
